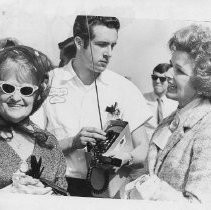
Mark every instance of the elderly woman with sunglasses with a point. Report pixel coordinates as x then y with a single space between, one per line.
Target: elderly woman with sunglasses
30 159
180 152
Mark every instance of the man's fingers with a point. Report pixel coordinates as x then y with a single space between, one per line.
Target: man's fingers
94 130
89 135
86 140
93 135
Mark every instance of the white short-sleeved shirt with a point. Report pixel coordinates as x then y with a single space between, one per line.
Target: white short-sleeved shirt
71 105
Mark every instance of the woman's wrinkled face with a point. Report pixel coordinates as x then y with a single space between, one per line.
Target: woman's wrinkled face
15 106
179 84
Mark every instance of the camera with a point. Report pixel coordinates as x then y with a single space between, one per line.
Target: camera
103 180
102 147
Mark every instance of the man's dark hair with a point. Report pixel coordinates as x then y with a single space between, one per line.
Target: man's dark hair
82 21
162 68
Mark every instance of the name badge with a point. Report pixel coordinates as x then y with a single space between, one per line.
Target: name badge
58 91
57 95
57 99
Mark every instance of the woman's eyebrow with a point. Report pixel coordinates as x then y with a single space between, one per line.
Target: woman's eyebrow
180 68
176 64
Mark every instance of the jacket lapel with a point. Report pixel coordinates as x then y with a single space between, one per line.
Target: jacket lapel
196 115
173 140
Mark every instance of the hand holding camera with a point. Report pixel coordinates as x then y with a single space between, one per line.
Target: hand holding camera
88 135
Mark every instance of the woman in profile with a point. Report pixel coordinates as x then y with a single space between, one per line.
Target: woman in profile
30 159
179 157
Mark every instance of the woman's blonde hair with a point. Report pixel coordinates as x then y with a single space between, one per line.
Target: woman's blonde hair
34 63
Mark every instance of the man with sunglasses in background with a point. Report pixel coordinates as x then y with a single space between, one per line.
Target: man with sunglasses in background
159 104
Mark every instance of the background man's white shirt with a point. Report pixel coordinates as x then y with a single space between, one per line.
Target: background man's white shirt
168 106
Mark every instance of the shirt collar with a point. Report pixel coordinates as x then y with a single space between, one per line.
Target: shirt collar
69 72
105 77
187 117
163 98
190 114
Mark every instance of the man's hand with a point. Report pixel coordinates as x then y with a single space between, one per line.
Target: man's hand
124 156
88 135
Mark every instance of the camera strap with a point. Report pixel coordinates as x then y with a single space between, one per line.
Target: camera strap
92 169
93 68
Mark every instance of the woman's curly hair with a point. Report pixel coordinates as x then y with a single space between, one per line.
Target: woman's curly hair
196 41
33 61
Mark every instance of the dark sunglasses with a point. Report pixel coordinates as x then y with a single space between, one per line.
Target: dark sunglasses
25 90
155 77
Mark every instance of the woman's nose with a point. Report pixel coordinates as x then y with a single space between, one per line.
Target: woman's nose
16 96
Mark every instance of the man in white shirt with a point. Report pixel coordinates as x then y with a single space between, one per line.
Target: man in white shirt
159 104
72 111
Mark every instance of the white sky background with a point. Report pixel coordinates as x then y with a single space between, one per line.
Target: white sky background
146 26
